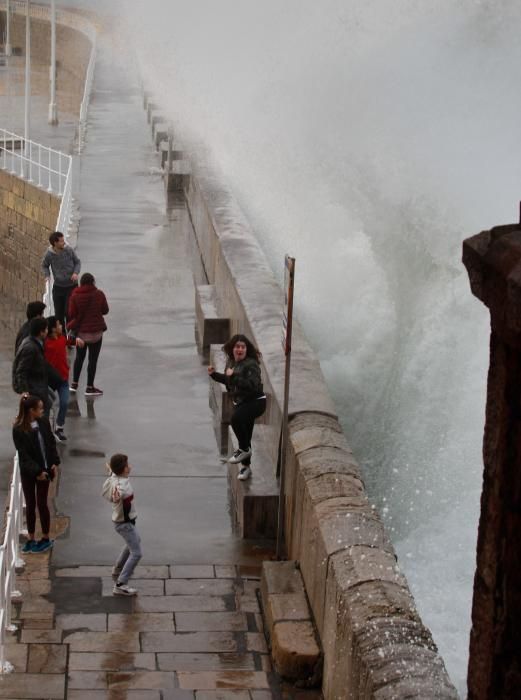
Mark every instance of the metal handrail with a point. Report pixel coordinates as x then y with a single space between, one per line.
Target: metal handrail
9 562
43 166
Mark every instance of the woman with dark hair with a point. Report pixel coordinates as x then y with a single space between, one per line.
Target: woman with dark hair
38 459
242 378
87 307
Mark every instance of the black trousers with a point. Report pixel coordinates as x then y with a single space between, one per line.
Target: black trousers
35 494
243 420
94 351
60 297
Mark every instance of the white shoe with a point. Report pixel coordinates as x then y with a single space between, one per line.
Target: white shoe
244 473
239 455
124 590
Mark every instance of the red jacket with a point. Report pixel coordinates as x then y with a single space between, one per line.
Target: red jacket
87 306
56 355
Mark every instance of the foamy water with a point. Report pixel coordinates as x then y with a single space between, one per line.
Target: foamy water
368 139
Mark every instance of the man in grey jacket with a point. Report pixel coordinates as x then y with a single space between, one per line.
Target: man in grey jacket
65 266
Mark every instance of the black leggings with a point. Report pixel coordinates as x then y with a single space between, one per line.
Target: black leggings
94 351
243 420
35 493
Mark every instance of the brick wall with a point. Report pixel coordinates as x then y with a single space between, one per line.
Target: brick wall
27 218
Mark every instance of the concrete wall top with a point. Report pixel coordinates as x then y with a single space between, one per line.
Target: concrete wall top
261 297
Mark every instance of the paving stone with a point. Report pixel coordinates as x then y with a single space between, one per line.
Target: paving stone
192 571
106 571
247 602
198 586
47 658
87 680
36 624
95 622
142 622
211 621
32 686
188 642
222 694
225 571
255 641
114 695
177 694
261 695
102 641
112 661
253 572
213 680
34 587
179 603
205 662
16 654
31 636
145 586
37 605
141 680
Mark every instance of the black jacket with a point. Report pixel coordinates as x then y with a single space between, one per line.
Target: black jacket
245 383
22 334
29 452
31 371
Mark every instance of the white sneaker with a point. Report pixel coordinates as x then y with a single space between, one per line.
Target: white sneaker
244 473
124 590
239 455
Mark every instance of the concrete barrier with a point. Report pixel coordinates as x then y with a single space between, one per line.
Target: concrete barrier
375 645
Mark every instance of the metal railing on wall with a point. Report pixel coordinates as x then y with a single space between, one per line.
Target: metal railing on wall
9 562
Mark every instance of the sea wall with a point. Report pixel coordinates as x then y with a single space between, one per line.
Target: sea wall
72 56
375 644
27 217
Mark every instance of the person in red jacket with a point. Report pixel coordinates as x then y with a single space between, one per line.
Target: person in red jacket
55 352
87 307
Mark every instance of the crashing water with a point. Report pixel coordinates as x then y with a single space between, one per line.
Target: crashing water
368 139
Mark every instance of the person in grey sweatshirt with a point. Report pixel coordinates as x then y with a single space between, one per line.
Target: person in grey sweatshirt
65 266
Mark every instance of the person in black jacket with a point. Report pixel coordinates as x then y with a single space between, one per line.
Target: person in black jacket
32 374
34 309
38 460
242 378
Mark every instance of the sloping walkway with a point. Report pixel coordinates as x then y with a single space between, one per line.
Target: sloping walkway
195 630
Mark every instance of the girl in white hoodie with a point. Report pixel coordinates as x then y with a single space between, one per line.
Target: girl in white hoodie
118 490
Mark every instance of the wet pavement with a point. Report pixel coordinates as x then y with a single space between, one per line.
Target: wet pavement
195 629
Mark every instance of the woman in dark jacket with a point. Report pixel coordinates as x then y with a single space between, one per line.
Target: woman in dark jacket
38 459
87 307
242 378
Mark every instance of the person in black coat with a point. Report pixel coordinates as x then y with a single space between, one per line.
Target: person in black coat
34 309
38 459
32 374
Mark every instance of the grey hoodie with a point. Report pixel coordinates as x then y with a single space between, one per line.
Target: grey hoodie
62 264
118 490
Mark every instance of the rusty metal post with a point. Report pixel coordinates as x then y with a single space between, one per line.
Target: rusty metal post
493 262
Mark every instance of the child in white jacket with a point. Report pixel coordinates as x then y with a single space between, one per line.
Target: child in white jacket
118 490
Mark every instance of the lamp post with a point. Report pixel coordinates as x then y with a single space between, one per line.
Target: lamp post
27 113
53 112
8 28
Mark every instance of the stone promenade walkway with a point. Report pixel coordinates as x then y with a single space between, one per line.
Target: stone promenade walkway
195 630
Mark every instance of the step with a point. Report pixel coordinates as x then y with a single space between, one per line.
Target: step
288 621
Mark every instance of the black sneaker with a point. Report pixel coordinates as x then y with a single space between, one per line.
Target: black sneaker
92 391
60 435
42 546
73 387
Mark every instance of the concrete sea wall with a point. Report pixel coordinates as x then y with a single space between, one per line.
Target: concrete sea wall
72 56
374 642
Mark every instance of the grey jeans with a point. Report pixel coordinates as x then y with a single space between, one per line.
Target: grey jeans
131 552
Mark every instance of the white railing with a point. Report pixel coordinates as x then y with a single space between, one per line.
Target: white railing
9 562
40 165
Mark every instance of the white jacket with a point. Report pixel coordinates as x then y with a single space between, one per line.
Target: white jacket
118 490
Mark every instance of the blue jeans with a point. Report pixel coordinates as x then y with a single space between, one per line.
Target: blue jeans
131 553
63 393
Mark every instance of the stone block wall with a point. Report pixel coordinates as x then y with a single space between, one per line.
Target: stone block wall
28 216
375 644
